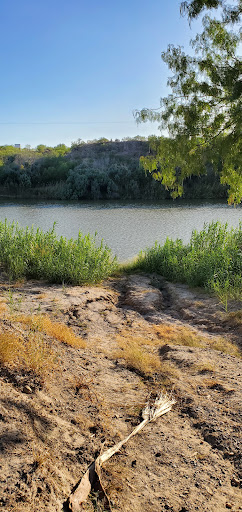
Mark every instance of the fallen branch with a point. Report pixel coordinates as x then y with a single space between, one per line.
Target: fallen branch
91 481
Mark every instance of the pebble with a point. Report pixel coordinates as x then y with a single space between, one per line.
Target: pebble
235 482
228 505
27 389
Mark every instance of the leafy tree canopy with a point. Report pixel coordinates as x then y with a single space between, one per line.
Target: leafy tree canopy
203 113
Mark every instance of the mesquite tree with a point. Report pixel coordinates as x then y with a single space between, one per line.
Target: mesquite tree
203 113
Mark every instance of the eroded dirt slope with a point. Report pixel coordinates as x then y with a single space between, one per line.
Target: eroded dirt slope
139 335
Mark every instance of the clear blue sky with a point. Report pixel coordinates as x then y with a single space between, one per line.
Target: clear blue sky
85 62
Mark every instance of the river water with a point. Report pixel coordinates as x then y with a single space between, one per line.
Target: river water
125 227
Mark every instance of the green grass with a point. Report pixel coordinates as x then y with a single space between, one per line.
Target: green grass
34 254
212 259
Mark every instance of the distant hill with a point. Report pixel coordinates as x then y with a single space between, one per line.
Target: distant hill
129 148
99 169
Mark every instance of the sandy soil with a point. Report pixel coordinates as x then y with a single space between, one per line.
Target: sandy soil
52 428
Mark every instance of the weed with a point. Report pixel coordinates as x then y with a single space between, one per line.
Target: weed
84 422
212 260
38 255
14 302
41 296
82 386
40 456
38 356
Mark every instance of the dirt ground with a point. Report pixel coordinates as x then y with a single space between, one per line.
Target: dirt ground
53 426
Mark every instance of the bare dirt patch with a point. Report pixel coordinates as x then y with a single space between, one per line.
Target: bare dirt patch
54 423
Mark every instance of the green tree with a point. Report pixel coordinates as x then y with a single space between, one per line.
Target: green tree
203 113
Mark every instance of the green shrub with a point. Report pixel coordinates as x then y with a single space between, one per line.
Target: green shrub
38 255
212 259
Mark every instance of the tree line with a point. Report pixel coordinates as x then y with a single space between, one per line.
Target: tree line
100 169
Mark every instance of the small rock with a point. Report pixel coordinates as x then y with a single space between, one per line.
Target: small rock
235 482
209 491
228 505
27 389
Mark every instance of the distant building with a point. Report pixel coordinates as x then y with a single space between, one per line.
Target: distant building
17 146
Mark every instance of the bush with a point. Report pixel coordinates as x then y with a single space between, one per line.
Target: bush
38 255
212 259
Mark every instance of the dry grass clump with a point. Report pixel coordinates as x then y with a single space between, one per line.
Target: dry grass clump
32 354
83 422
41 296
178 335
137 356
3 306
10 347
57 330
234 318
182 335
222 345
204 368
166 333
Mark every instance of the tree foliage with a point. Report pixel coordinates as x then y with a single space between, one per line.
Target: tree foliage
94 171
203 113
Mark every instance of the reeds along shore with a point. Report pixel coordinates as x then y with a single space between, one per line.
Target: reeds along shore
33 254
212 259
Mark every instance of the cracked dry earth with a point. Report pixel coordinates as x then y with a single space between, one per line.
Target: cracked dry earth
53 428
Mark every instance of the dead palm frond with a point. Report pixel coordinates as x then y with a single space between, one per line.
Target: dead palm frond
91 479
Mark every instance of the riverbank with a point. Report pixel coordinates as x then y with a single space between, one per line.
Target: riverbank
99 170
103 351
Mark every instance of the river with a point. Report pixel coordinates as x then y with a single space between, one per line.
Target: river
125 227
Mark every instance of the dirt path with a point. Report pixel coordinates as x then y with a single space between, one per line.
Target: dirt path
141 335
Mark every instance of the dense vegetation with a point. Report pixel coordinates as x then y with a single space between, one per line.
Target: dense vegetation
26 253
203 112
212 259
96 170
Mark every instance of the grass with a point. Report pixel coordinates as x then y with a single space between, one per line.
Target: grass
3 306
32 354
57 330
222 345
139 350
138 358
185 336
212 259
140 354
233 318
34 254
178 335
